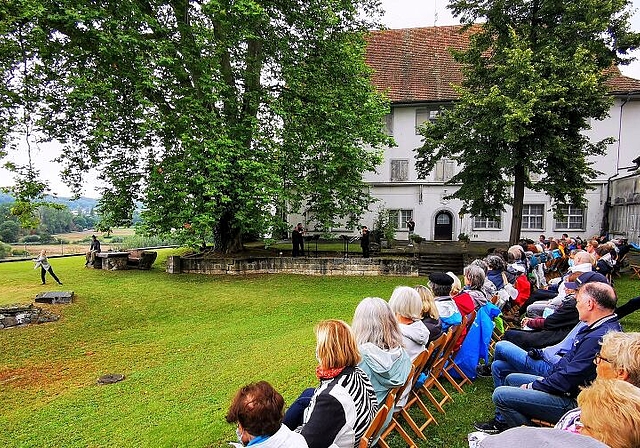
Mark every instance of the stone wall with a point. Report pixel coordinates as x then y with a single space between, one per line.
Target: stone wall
289 265
24 314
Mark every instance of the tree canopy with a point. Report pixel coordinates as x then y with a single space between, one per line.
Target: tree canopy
534 76
221 116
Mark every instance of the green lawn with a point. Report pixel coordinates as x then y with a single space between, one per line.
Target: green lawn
185 344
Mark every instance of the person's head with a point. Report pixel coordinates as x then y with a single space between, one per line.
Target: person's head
43 252
374 322
456 286
619 357
474 276
93 237
335 345
406 302
592 245
495 262
257 408
594 301
429 308
440 283
582 257
610 413
565 236
602 250
584 278
542 238
516 252
481 264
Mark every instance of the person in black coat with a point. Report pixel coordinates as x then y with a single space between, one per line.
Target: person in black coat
298 240
364 241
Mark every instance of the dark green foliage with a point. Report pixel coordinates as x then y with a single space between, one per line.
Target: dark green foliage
214 114
534 77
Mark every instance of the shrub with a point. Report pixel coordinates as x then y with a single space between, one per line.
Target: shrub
5 250
31 239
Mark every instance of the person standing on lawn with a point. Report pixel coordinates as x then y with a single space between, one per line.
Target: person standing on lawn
43 263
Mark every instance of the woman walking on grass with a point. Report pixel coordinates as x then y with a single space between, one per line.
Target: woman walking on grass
44 265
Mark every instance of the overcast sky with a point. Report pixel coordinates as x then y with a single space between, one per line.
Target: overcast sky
399 14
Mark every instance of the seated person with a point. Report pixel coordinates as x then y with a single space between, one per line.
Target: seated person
93 250
610 418
430 315
406 304
338 412
495 273
541 332
619 358
441 283
474 284
527 396
520 281
258 410
604 260
488 288
379 339
553 295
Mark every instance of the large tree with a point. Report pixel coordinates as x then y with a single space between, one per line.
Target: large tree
221 116
534 76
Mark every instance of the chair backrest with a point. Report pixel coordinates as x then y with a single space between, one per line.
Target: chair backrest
375 428
447 346
437 348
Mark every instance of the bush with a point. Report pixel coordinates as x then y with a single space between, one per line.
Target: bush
417 238
20 253
31 239
5 250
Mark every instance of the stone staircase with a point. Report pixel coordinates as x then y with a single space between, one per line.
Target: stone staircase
440 262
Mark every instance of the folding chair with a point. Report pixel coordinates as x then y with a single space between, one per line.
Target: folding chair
450 363
394 424
430 357
448 341
635 270
373 432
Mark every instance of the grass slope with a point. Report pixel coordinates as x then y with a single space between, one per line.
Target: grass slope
185 344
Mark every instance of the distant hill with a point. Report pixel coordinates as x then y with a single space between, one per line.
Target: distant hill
81 204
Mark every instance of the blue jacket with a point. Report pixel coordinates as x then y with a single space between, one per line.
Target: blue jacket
576 367
476 343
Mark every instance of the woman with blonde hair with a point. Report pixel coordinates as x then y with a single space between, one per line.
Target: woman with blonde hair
341 408
405 302
611 413
430 315
43 263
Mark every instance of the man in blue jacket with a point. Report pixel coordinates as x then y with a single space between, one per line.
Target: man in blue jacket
525 396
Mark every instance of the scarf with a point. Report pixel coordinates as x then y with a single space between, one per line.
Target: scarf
327 374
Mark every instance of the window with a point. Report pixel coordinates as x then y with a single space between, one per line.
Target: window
423 115
533 216
573 218
399 170
443 170
480 222
388 124
400 217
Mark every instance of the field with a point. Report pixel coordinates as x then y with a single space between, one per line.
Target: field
185 344
74 242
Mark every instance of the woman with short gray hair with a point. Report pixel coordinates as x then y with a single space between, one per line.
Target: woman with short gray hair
406 303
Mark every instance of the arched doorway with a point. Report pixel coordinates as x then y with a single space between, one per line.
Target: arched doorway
443 229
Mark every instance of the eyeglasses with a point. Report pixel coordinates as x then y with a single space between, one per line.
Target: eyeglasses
599 358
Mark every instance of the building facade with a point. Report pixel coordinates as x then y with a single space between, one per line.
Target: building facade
414 68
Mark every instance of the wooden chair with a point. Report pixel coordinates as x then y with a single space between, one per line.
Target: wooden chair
431 356
394 424
450 363
448 340
373 432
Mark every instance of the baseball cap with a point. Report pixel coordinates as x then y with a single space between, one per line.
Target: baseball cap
587 277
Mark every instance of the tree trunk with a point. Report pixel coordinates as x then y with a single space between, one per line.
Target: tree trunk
228 239
518 201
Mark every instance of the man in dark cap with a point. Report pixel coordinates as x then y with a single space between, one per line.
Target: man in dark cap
440 283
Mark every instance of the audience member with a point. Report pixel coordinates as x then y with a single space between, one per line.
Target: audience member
341 408
379 339
405 302
527 396
257 409
440 283
475 286
430 315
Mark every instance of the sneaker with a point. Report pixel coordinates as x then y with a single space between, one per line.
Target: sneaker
483 370
491 427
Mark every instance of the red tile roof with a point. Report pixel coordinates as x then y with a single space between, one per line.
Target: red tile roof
414 65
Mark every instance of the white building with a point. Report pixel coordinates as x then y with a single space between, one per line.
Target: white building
416 71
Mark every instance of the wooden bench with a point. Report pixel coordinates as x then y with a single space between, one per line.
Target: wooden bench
141 259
